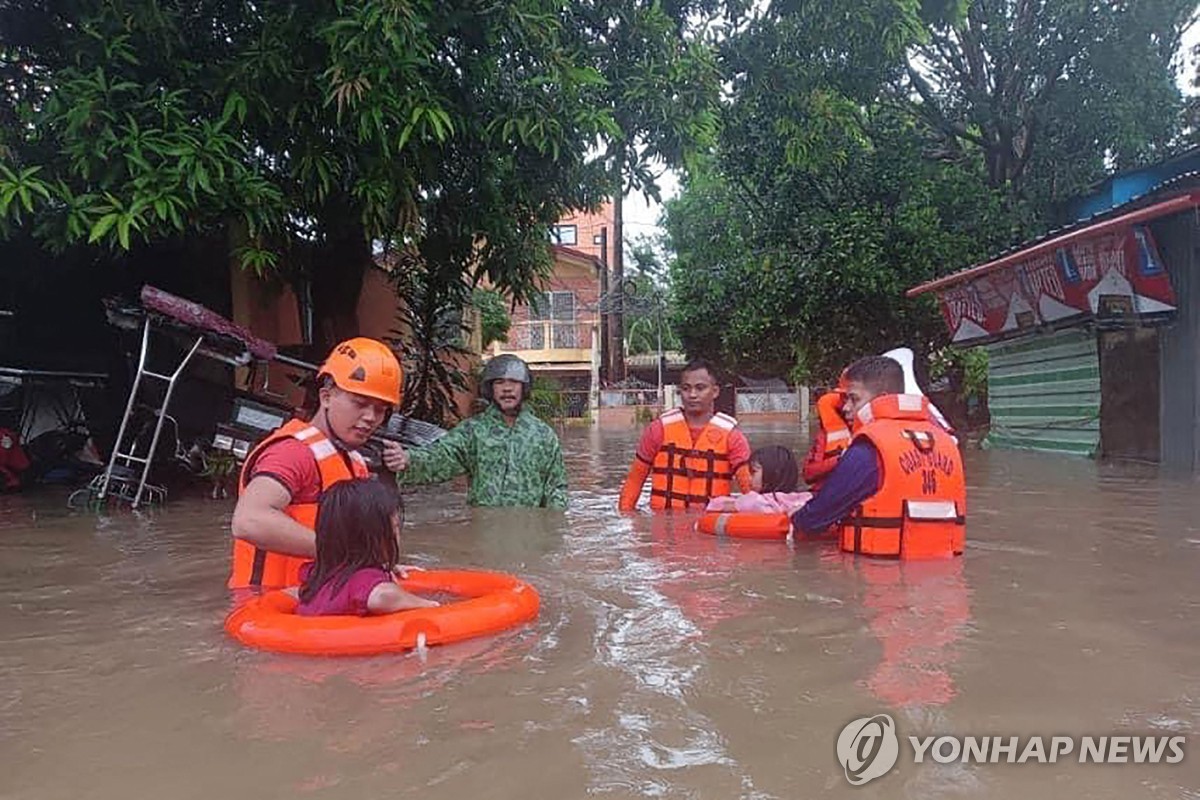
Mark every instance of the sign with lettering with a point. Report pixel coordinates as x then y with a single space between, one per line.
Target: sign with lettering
1119 273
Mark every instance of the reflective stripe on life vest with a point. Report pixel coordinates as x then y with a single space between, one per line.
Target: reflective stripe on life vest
259 568
831 441
689 473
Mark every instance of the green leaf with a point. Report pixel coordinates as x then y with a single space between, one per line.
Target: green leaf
102 227
202 178
123 224
235 105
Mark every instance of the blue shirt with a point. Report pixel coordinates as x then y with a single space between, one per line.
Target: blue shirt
853 480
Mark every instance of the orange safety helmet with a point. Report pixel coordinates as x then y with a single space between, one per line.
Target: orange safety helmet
367 367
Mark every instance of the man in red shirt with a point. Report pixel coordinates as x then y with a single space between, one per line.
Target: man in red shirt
284 476
693 453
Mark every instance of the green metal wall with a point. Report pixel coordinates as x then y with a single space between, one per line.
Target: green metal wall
1044 393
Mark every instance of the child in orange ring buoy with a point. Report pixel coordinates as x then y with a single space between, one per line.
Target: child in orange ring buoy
774 478
358 553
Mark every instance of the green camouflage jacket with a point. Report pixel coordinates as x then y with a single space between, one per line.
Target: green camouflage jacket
517 465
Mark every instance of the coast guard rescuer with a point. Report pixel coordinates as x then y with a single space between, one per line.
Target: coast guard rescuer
898 490
693 454
284 476
832 439
834 431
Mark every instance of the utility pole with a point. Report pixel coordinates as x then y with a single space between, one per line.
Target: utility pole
602 241
661 399
616 318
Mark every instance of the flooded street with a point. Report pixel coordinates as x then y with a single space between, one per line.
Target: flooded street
665 663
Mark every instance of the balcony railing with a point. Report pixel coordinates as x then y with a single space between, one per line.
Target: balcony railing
548 335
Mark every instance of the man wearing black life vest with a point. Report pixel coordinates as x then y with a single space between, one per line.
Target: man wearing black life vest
898 490
692 454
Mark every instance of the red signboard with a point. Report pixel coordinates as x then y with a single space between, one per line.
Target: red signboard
1119 271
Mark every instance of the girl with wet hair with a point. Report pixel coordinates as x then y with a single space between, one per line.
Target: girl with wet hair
358 553
774 469
775 479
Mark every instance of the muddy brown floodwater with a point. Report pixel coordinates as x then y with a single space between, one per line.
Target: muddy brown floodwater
665 663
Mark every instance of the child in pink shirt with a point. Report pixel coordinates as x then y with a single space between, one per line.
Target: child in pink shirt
358 552
775 477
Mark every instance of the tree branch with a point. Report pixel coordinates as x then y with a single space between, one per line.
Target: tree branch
941 121
1026 151
980 80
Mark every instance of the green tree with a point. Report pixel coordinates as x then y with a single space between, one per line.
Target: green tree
494 320
867 147
456 130
795 242
797 277
647 320
306 133
1052 94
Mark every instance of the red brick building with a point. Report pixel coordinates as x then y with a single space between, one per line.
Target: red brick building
584 231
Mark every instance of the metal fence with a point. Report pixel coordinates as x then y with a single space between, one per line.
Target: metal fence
561 403
576 403
620 398
768 401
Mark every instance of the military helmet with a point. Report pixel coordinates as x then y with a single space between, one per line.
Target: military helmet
506 366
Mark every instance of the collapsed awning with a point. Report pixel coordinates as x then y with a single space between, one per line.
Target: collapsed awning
1109 269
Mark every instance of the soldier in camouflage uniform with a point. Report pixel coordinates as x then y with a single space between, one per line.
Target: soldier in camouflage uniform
511 456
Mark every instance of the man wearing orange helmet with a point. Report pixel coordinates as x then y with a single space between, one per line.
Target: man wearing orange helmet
360 384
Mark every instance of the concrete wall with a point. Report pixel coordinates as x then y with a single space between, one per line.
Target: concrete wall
577 277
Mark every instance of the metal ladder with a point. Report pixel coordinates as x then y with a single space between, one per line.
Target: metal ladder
119 481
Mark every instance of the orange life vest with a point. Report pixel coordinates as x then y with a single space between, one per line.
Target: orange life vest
920 509
687 473
258 568
832 439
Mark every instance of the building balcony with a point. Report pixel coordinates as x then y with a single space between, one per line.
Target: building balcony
552 343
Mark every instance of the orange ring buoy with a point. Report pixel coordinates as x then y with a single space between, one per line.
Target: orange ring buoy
746 525
495 602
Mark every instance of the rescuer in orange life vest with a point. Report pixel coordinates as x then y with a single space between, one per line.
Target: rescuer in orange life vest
692 454
284 476
898 490
832 439
834 431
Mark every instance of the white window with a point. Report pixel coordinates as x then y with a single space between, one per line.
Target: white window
553 306
564 234
553 314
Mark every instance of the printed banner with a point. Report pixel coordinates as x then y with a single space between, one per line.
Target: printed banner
1114 274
